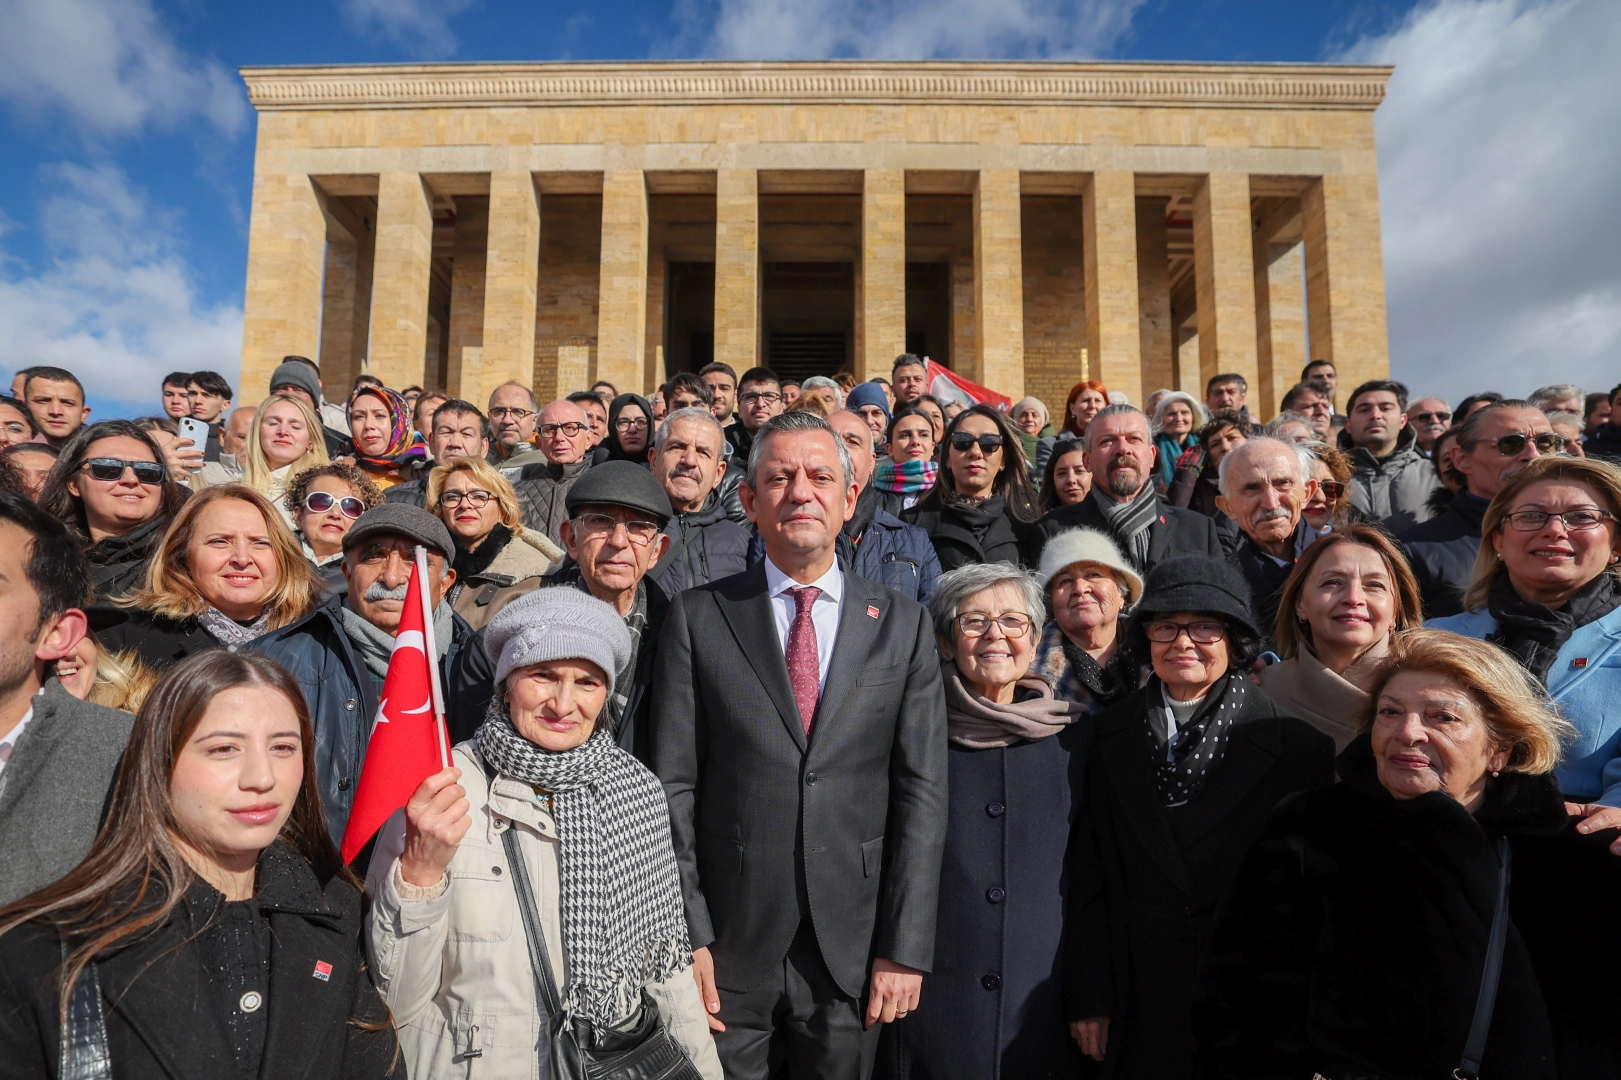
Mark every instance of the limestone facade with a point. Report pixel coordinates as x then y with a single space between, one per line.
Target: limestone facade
1028 224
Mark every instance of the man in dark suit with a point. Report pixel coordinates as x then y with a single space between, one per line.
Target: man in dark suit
1120 454
800 733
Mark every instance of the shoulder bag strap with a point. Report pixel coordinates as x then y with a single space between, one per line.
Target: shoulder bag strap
1475 1048
545 986
84 1053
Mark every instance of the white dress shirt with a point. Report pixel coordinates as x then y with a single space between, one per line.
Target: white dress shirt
8 742
824 612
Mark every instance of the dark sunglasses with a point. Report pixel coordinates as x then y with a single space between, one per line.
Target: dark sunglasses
111 469
319 502
1546 443
1331 489
1426 417
961 441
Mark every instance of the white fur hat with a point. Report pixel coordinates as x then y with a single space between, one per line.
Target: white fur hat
1080 545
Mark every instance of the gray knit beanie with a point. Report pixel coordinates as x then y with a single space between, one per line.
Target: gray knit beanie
557 623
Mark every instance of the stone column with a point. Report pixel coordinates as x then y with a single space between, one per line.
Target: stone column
1345 278
345 302
1280 332
511 273
1109 248
399 307
1154 297
881 311
998 284
467 271
1225 270
622 288
737 268
282 301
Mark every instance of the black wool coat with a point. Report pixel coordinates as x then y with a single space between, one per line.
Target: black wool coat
958 542
1356 935
993 1006
1146 879
162 1007
159 641
1176 532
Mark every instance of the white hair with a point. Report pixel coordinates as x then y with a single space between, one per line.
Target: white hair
1201 415
955 586
822 382
1303 457
691 412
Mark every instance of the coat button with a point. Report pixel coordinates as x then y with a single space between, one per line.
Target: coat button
995 894
350 704
993 981
995 809
811 778
251 1001
343 783
496 870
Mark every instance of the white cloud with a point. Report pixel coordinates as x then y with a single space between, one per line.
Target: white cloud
421 26
902 29
111 66
116 304
1499 167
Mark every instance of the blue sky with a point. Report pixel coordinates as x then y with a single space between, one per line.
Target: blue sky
125 184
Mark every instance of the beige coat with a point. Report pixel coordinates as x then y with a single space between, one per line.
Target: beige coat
1333 704
451 959
516 571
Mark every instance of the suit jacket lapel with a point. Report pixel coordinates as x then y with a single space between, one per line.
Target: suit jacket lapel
857 632
748 612
1251 752
1124 748
1159 535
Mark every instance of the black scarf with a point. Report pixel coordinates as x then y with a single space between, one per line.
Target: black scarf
977 518
1107 683
469 564
1535 633
1181 766
611 439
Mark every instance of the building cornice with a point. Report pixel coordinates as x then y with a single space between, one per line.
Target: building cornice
414 86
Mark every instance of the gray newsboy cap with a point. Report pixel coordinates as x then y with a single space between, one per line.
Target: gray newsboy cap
620 483
402 519
558 622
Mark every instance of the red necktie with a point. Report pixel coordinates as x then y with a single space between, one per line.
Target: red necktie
804 667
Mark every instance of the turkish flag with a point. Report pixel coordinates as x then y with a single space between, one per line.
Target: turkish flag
408 740
946 384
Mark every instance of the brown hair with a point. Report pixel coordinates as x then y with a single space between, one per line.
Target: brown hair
299 487
169 591
1519 715
1290 632
484 473
135 876
1012 481
1602 477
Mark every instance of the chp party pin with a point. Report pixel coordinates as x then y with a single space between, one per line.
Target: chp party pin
872 612
323 971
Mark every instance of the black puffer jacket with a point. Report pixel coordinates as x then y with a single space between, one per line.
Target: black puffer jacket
1442 554
705 546
160 642
118 563
970 534
1355 938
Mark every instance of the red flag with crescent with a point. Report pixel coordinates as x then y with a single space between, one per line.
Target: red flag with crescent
408 739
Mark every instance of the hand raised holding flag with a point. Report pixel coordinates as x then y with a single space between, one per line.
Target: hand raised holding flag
436 819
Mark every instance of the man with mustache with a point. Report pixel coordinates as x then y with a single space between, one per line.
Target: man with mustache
1265 484
689 462
1392 479
339 652
1119 451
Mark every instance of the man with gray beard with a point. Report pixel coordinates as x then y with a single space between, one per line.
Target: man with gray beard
339 653
1265 484
1119 452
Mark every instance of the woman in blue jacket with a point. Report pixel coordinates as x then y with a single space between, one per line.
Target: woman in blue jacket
1547 588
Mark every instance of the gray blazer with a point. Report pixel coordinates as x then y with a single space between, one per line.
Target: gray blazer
847 826
55 788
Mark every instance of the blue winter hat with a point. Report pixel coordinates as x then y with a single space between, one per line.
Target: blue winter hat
867 393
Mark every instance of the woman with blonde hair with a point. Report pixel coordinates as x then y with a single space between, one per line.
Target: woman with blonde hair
497 558
227 571
1547 588
1420 917
94 674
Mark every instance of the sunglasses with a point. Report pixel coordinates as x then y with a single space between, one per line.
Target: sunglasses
1426 417
319 502
1546 443
1332 489
111 469
962 441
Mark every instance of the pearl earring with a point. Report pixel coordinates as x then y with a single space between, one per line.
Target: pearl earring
1496 773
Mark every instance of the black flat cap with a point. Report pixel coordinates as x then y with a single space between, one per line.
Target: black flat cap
620 483
402 519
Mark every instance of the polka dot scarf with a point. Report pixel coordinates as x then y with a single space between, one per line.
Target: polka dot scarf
1183 763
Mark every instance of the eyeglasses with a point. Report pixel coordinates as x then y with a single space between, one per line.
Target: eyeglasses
639 424
1574 520
592 526
516 414
1546 443
1201 633
571 429
755 397
111 469
477 498
962 441
974 624
1331 489
1426 417
319 502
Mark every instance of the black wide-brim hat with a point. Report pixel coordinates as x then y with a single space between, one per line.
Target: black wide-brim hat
1195 583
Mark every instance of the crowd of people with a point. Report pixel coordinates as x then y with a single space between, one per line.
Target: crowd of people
813 728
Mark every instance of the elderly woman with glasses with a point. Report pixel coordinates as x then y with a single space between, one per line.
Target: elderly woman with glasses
1180 782
497 558
325 502
1546 587
1359 934
1089 586
991 1006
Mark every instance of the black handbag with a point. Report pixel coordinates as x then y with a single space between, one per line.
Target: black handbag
580 1048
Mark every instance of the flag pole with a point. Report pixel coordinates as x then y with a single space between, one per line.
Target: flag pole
433 656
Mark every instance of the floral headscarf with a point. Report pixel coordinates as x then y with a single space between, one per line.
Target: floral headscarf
405 445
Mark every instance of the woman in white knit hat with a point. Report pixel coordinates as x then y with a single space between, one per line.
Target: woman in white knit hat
528 897
1090 586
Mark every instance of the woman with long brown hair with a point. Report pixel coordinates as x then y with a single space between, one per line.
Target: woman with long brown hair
982 505
211 930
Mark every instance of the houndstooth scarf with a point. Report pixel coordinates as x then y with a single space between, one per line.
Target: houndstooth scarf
1129 521
624 923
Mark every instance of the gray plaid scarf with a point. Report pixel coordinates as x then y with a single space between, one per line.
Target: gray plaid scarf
1129 521
624 923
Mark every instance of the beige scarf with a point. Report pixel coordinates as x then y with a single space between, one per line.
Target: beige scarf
977 723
